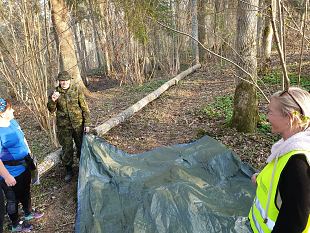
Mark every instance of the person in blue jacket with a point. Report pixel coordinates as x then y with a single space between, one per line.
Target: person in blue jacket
15 175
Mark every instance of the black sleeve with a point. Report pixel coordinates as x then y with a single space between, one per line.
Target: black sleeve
294 188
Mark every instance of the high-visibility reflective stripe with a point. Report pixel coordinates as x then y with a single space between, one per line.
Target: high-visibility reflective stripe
270 224
258 228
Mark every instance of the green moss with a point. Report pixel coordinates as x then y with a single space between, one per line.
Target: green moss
222 107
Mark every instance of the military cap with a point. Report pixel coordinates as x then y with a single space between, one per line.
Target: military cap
63 76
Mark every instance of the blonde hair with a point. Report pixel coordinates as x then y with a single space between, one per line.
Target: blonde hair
295 102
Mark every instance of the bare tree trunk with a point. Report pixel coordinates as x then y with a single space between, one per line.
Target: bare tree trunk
60 60
260 23
195 31
175 58
245 114
226 26
85 58
79 53
176 51
217 6
201 14
267 39
96 35
156 45
267 45
105 28
60 18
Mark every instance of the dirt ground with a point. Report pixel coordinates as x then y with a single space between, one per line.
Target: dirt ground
176 117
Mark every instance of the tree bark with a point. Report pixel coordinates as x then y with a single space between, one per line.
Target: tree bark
105 26
245 114
267 45
267 40
59 57
176 38
84 49
79 52
260 26
195 31
60 18
201 14
96 34
216 32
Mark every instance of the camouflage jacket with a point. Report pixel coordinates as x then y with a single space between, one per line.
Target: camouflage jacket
71 107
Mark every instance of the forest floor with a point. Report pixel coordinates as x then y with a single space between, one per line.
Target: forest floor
199 105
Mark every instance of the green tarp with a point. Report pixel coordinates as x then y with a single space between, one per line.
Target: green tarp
189 188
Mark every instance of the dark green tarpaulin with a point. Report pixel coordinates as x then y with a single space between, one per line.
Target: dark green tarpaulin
187 188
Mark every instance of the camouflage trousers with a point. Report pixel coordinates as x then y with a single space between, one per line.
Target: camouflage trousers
66 136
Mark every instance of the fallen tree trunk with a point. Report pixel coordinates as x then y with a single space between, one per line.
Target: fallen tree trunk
52 159
49 162
106 126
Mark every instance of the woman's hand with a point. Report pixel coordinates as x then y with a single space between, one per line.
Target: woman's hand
253 178
9 180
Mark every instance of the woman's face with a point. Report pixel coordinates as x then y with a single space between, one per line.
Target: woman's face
64 84
280 124
8 114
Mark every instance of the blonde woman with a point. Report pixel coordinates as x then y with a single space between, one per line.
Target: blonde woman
282 202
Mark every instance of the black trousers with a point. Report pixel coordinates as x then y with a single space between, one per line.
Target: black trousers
19 193
2 210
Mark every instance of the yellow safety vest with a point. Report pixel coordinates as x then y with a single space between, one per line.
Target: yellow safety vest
260 222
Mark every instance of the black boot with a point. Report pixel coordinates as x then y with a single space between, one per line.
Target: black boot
69 174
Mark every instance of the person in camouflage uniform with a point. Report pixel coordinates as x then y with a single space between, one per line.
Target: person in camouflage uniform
72 118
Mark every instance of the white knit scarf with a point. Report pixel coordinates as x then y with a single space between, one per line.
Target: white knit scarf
299 141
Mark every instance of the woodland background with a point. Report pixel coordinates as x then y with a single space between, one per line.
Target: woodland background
119 51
